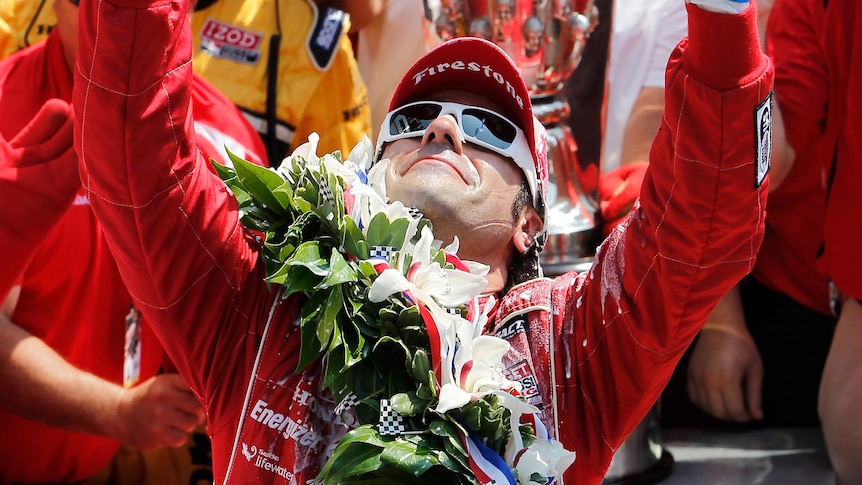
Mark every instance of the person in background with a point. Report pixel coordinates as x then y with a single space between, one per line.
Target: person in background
24 23
38 163
760 357
822 41
624 323
288 65
70 398
643 34
386 46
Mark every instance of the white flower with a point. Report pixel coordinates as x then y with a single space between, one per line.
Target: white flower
377 176
307 150
347 169
361 154
472 368
547 458
430 283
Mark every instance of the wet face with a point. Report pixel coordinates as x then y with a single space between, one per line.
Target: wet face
465 190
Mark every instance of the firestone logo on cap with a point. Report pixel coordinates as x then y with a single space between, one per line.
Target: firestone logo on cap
460 65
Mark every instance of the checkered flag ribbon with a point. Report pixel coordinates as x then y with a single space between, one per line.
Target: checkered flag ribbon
381 252
325 191
349 401
391 423
451 310
415 213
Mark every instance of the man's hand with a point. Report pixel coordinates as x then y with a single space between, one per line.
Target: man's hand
38 181
725 373
162 411
618 190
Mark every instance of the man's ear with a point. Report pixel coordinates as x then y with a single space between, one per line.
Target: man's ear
528 225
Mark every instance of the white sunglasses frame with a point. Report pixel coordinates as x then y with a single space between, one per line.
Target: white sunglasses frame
519 151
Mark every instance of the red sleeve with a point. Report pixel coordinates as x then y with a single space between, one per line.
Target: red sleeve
801 83
694 234
171 224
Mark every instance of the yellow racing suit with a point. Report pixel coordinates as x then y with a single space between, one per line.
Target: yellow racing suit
318 87
23 23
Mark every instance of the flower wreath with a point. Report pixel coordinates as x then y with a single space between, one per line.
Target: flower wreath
380 290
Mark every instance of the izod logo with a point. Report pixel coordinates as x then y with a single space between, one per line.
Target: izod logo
227 41
229 34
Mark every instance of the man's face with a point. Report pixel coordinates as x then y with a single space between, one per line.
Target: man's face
465 190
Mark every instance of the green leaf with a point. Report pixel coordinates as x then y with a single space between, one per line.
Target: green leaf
308 256
335 363
451 440
407 456
355 460
354 343
377 230
299 280
354 241
340 272
327 328
396 233
357 453
408 404
309 349
223 171
259 182
420 366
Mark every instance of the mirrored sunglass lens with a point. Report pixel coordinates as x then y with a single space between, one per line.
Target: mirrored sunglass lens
488 128
413 118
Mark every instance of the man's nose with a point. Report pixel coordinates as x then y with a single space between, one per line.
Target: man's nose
444 129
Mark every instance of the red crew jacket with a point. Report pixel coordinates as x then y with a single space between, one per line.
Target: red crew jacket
841 41
608 339
787 261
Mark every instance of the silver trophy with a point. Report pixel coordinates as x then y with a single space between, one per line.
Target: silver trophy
545 38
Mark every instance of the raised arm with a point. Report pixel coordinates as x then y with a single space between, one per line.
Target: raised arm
693 235
171 224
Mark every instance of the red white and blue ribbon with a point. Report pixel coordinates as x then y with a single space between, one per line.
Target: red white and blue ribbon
487 465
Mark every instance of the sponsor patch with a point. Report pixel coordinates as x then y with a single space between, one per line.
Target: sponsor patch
227 41
266 461
473 67
512 328
324 38
522 373
763 140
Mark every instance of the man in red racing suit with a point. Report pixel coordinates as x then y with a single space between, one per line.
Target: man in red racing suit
63 322
606 341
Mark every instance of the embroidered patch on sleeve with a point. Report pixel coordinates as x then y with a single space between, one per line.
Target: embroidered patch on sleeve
324 38
763 140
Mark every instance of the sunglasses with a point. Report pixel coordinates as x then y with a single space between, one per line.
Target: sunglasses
479 126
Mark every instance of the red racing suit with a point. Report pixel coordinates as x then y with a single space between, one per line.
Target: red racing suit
72 296
601 345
